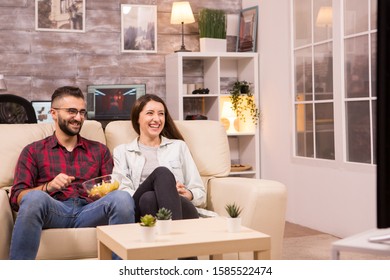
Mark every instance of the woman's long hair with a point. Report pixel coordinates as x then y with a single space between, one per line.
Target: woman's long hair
169 131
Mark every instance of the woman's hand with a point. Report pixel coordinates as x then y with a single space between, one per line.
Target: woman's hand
183 191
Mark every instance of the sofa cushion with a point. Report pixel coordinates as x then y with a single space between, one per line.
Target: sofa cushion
206 140
16 136
208 143
119 132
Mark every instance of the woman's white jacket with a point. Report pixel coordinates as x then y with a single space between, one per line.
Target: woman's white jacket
173 154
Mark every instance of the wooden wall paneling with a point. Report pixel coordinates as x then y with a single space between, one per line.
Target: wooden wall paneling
35 63
105 5
17 41
43 87
14 3
20 85
17 18
103 21
96 66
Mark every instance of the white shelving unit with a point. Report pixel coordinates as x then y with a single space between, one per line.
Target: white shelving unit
217 72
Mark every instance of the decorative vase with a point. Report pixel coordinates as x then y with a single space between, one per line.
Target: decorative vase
163 226
148 234
233 224
212 45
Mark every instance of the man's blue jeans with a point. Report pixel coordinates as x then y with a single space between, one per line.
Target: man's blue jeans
40 211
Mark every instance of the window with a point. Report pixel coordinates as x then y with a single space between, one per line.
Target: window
313 65
360 79
315 93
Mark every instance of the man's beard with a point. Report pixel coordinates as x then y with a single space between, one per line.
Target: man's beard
63 124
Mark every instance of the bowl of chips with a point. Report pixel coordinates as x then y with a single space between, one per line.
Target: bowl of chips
100 186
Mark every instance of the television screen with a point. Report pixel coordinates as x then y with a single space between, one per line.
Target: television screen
112 102
383 116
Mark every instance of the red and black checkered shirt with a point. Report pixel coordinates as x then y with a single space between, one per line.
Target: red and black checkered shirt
41 161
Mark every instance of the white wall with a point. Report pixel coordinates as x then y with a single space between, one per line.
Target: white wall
331 197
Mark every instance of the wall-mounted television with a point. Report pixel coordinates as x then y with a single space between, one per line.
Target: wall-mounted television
383 120
112 102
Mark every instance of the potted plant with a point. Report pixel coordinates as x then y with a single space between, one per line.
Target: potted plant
243 101
147 227
164 218
212 30
234 220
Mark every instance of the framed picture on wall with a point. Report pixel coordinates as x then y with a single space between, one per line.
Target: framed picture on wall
42 110
139 28
60 15
247 31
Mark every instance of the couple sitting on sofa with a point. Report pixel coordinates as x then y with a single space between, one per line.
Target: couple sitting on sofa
157 168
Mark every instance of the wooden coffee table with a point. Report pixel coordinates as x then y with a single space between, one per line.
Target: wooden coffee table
194 237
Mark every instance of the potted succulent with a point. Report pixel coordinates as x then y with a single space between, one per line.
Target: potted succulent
164 219
243 101
212 30
147 227
234 219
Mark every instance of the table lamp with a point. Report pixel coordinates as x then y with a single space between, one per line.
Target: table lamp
2 83
182 14
228 113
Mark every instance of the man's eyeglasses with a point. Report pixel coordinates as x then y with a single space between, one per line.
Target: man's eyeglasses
73 111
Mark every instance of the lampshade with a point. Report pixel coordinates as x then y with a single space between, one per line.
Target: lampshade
227 110
2 83
182 13
324 17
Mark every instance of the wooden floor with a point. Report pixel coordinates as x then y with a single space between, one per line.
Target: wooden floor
303 243
294 230
302 246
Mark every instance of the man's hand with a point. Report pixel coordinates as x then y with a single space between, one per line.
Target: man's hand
60 182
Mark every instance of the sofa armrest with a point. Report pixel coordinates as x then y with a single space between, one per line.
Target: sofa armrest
7 224
263 202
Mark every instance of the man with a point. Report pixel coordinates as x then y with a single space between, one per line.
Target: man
47 191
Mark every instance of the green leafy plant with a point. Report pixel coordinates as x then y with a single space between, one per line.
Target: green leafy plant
233 210
212 23
164 214
242 99
148 220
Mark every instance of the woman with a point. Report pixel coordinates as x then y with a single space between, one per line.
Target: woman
157 166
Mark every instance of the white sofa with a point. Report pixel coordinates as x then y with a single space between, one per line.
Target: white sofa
264 201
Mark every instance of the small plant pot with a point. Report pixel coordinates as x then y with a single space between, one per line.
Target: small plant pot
148 234
164 226
233 224
244 89
212 45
